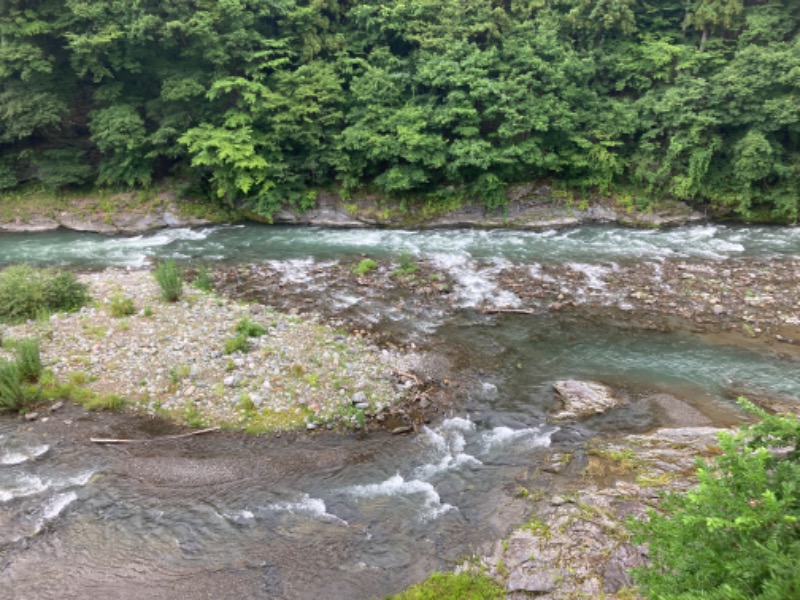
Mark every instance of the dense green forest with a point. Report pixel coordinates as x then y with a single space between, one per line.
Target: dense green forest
263 102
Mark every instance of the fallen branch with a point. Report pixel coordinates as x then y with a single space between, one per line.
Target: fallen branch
407 375
156 439
517 311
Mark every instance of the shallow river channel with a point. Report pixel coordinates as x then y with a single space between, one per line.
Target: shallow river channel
352 516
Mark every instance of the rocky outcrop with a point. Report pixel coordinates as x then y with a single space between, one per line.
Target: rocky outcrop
576 544
582 399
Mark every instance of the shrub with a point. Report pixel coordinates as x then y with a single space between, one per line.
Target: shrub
454 586
29 361
249 328
238 343
120 305
169 279
737 534
365 266
27 292
12 393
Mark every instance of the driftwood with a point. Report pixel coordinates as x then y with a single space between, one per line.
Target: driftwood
516 311
156 439
407 375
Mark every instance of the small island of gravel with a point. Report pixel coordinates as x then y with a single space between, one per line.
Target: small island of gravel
171 359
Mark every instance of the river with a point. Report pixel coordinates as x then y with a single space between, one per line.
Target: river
349 516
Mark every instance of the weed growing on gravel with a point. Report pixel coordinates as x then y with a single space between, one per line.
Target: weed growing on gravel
105 402
169 279
407 266
120 305
27 292
250 328
29 361
238 343
365 266
454 586
12 393
203 280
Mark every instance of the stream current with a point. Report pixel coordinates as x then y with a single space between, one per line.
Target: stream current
346 516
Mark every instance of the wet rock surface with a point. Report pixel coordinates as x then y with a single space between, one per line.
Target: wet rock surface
576 544
582 399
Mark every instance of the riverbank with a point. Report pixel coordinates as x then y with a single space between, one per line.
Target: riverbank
530 207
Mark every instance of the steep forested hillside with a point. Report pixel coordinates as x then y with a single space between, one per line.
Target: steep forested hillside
263 101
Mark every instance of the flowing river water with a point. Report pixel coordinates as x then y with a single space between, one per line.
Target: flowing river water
346 516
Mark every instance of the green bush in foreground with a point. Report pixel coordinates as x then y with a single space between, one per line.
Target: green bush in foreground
27 292
737 535
12 392
29 361
169 279
452 586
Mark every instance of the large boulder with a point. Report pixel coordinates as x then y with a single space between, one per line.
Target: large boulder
582 399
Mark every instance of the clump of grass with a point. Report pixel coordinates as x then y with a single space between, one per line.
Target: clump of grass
365 266
203 280
239 342
407 265
106 402
169 279
27 293
12 393
29 360
454 586
120 305
250 328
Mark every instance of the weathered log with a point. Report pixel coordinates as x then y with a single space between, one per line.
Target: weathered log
156 439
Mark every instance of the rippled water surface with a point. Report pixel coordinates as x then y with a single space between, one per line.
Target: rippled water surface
247 243
321 516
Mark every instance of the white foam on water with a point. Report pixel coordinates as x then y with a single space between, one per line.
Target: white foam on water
53 508
24 485
536 272
314 507
80 479
298 270
449 443
134 251
447 463
11 457
398 486
240 517
531 437
476 285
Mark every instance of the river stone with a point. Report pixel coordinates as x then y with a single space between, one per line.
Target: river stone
583 399
358 398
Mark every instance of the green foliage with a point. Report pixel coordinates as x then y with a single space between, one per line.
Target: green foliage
737 534
170 280
262 103
28 360
12 394
120 305
203 279
238 343
249 328
365 266
27 292
452 586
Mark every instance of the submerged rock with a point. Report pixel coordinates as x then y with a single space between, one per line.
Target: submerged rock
582 399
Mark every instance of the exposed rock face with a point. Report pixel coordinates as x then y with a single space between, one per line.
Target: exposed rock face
576 545
583 399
